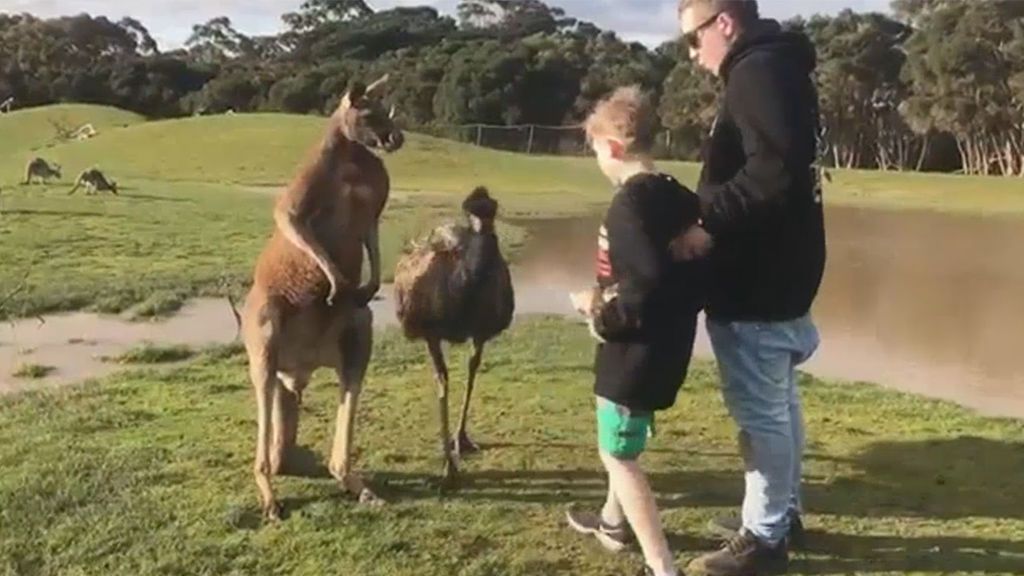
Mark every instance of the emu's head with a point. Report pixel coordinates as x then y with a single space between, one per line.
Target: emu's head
364 119
480 208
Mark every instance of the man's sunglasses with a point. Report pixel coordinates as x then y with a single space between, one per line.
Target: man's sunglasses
692 38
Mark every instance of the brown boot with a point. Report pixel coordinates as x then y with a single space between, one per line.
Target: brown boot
743 555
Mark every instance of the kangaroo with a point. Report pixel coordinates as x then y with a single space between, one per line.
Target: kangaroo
37 168
94 181
306 309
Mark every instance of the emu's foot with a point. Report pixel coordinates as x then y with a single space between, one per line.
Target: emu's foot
368 498
464 446
449 476
272 511
354 485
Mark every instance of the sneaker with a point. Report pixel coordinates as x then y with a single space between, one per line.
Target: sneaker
614 538
726 527
743 555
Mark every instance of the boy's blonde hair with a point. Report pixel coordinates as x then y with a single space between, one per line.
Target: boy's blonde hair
626 115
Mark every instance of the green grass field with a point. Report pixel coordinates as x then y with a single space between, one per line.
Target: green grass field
195 208
150 473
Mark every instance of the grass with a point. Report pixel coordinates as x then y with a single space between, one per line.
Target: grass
197 192
150 473
155 354
32 371
157 244
28 133
265 149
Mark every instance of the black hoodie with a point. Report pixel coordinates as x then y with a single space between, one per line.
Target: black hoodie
760 190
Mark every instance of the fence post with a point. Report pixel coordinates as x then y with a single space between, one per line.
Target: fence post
479 134
529 143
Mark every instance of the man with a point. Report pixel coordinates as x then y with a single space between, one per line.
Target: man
763 232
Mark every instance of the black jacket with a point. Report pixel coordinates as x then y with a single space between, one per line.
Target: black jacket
760 188
649 327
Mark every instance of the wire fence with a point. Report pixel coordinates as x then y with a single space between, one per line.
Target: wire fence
546 140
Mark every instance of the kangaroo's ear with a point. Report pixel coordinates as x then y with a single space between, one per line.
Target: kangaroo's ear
356 92
377 83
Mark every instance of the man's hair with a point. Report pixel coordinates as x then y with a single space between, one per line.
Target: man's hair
744 11
627 115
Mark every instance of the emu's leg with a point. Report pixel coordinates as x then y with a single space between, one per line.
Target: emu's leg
285 420
441 375
463 445
262 372
356 347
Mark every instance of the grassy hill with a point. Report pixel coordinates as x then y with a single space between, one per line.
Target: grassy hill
30 132
265 149
196 202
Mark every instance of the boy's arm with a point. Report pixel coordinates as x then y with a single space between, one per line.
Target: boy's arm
637 265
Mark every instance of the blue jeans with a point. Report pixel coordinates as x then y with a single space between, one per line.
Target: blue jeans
757 361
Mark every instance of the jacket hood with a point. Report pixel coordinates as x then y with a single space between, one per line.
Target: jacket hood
768 35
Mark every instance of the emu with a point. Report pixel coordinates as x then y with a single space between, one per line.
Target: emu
306 309
455 289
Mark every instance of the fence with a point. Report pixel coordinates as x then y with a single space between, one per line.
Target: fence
547 140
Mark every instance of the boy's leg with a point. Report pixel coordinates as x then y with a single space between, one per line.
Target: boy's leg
622 437
612 513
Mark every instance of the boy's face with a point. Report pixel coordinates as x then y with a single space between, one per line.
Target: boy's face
610 153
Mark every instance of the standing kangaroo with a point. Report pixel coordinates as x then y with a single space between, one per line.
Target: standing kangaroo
306 309
37 168
94 180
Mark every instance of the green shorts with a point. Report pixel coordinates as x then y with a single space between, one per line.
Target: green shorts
621 432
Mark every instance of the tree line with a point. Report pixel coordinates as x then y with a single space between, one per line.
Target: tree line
936 85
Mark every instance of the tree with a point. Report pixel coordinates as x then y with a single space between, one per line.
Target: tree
316 13
960 70
688 106
217 41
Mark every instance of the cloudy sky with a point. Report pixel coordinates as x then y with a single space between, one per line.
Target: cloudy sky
170 21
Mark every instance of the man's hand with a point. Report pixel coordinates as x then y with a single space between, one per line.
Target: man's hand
692 244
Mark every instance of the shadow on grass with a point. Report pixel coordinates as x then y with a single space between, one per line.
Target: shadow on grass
61 213
946 479
847 554
151 197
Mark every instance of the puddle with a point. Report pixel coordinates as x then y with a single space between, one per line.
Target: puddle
75 343
920 302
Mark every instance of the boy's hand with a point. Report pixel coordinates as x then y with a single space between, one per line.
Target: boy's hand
585 301
692 244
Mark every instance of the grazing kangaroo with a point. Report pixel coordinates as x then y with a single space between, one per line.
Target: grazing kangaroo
94 180
41 169
306 309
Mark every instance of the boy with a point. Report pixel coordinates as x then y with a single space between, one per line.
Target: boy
644 314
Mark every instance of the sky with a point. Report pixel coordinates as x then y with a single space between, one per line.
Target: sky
170 21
